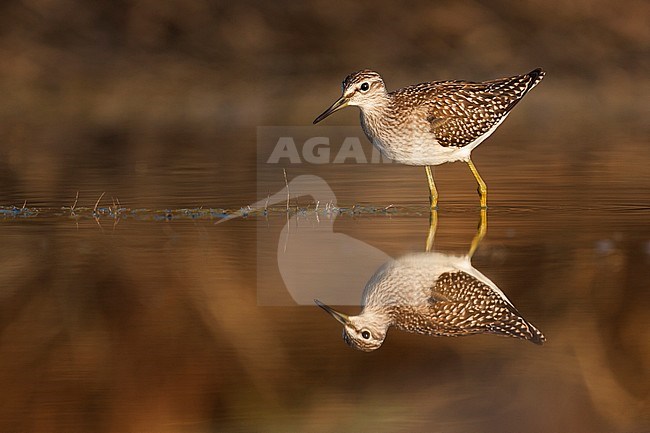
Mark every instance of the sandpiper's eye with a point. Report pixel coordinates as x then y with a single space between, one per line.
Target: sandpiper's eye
365 335
364 87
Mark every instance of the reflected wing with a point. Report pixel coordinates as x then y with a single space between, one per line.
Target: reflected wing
464 305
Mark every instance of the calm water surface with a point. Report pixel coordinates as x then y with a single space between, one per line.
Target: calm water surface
161 320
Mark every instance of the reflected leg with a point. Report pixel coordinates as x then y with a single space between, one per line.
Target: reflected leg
433 192
482 188
481 230
433 225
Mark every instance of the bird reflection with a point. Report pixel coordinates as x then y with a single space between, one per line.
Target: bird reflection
432 293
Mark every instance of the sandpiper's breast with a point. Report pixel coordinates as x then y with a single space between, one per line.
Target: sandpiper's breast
409 141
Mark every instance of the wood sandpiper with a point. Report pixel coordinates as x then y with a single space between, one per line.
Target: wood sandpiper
432 123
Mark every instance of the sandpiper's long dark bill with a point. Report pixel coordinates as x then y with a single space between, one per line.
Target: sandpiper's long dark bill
342 102
435 122
340 317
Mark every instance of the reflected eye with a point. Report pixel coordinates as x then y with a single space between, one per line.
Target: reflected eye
365 335
364 87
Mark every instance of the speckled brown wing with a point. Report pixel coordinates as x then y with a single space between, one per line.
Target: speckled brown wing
463 305
461 112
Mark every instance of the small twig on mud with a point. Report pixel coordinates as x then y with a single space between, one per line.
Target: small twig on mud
74 205
97 203
115 208
286 183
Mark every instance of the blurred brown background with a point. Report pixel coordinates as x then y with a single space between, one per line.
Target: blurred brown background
142 326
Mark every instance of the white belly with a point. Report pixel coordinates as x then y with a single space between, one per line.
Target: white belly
419 147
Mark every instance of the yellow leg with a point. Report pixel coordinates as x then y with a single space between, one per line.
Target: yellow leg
482 188
433 225
433 192
481 230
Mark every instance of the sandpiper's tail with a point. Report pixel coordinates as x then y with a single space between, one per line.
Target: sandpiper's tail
518 327
534 335
519 85
534 77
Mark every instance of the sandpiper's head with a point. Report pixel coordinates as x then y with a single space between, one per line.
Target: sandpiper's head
364 88
364 332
